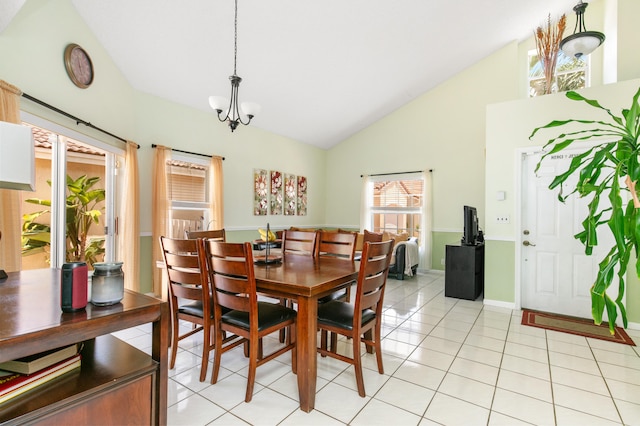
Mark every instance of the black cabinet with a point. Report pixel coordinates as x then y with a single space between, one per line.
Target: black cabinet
464 271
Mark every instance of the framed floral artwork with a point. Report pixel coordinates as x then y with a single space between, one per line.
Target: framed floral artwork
302 196
260 192
276 196
290 187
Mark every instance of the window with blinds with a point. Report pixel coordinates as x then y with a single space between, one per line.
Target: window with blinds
187 182
397 206
188 190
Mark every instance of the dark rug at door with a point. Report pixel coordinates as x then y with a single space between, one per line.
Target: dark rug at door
572 325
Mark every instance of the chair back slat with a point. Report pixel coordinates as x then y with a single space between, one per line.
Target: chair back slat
184 292
372 277
184 277
231 274
186 270
180 259
337 244
216 234
299 242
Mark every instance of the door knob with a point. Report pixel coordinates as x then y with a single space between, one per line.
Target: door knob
527 243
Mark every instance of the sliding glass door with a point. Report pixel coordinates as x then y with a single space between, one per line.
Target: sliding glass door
72 215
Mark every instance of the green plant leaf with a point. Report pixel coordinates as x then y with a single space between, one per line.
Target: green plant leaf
612 313
599 173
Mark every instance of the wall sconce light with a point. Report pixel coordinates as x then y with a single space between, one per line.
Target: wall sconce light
17 157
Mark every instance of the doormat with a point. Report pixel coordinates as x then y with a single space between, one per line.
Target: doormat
572 325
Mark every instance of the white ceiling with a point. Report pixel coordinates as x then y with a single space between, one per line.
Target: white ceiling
321 69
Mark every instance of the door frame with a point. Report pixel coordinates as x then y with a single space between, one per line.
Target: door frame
519 185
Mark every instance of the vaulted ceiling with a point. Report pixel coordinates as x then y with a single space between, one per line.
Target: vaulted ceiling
321 69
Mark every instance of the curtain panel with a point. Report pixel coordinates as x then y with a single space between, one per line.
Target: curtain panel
130 238
160 214
216 198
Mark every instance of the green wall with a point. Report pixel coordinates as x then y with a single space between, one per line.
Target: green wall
440 241
499 271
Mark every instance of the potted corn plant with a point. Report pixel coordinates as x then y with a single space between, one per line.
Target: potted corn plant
607 169
82 213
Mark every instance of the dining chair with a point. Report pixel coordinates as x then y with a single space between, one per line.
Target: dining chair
217 234
299 242
361 321
233 282
337 245
189 295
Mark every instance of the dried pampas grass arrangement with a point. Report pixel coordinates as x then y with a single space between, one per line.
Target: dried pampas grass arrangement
548 44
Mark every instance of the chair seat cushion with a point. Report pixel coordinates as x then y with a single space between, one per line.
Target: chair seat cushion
340 314
268 314
194 309
341 294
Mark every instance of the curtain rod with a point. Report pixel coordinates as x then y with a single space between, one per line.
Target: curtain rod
187 152
398 173
73 117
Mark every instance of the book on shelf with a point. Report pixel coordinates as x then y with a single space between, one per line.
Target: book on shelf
15 384
33 363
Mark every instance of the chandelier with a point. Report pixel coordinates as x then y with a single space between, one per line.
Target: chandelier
233 108
582 42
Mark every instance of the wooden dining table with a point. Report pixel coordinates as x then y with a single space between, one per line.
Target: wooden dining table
305 279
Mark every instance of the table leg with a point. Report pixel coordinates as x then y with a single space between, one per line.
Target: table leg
160 353
307 359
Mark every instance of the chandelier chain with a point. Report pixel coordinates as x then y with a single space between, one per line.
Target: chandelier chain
235 39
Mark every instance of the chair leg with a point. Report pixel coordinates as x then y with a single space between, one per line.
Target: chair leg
379 350
174 341
323 341
254 349
368 335
294 350
217 355
357 364
334 342
282 333
206 347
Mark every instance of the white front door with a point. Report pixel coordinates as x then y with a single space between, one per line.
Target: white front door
556 273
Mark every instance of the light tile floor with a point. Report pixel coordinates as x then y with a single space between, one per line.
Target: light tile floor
447 361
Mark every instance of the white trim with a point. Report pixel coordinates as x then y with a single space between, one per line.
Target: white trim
633 326
70 133
499 238
499 304
519 160
273 227
449 230
430 271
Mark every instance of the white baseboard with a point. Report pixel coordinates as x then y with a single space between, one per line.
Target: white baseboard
499 303
430 271
633 326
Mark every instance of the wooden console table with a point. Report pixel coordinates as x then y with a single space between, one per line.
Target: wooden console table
116 384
